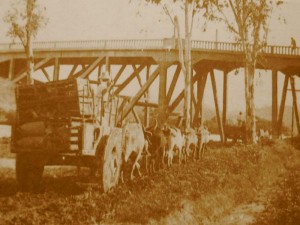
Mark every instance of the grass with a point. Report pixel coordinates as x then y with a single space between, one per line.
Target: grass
227 180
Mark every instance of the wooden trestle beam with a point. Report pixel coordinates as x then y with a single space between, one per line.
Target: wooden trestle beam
193 100
129 79
46 74
118 75
36 67
56 70
282 105
138 77
140 103
91 67
72 71
292 83
214 87
135 99
274 103
200 92
11 69
162 94
178 99
136 116
225 95
146 113
173 83
116 78
120 110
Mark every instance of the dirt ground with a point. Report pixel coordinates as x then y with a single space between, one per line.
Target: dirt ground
231 185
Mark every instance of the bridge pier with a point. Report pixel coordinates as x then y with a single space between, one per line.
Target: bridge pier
274 103
56 69
214 87
282 104
146 108
201 82
162 93
295 106
11 69
225 95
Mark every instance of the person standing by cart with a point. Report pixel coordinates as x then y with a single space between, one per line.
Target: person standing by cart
101 95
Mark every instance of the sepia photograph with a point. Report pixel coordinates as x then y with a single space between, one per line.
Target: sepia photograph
151 112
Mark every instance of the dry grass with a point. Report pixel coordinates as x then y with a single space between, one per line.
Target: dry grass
238 180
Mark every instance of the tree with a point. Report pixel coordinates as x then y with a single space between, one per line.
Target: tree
191 8
248 20
26 18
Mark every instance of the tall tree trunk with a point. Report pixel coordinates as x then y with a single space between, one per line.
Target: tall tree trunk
30 63
28 44
188 69
250 105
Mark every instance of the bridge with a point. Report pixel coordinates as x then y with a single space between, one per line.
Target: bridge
85 57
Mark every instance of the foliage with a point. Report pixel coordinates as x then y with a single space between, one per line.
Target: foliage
26 18
248 20
21 26
189 8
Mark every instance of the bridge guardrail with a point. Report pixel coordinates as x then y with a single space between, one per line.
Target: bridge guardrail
145 45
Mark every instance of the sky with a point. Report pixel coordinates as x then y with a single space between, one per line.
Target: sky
125 19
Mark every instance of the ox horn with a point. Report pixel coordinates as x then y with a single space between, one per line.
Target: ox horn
155 126
146 131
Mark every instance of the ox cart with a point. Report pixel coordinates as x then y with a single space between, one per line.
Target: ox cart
65 123
236 133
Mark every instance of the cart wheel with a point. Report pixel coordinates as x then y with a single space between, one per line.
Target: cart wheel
29 171
112 159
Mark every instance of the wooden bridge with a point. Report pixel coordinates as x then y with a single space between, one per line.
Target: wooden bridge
84 57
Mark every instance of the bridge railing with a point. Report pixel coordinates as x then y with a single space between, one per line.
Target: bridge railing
144 45
91 44
236 47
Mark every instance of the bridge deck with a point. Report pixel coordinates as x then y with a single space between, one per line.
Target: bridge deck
154 44
206 57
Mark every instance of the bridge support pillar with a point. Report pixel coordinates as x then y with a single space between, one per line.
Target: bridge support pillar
201 82
225 95
11 69
162 95
214 87
282 104
295 106
274 104
146 113
56 70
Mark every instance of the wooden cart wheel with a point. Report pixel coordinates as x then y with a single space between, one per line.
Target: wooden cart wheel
112 160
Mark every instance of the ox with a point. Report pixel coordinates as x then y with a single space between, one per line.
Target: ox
191 144
204 133
175 141
157 144
133 144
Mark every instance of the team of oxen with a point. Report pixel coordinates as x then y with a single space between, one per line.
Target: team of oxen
159 145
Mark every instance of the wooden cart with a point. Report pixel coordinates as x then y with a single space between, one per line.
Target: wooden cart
65 123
